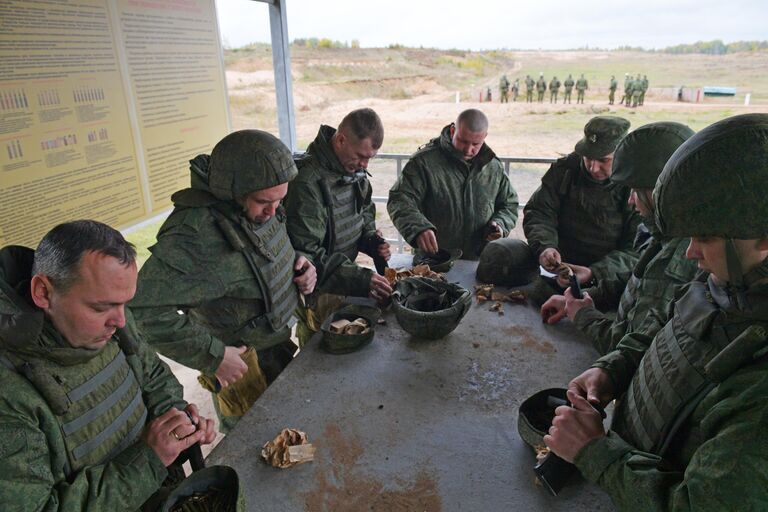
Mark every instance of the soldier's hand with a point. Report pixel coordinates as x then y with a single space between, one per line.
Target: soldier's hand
306 275
493 231
573 427
383 249
232 367
164 435
583 275
594 385
550 259
553 310
206 425
380 288
427 241
574 305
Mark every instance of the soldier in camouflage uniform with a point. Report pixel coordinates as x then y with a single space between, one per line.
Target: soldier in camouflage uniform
529 86
581 86
515 89
626 98
223 258
637 89
568 88
331 215
541 87
612 90
504 89
689 427
643 89
89 417
578 216
453 193
642 295
554 88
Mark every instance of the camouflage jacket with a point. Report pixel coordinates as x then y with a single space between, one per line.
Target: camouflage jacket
641 296
568 84
582 84
309 222
195 269
588 222
36 472
439 190
541 85
715 460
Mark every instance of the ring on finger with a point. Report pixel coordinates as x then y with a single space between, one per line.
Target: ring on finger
174 434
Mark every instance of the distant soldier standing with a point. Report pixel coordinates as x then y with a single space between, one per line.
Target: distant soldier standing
637 88
529 85
627 90
541 87
568 88
612 90
554 87
643 89
504 89
515 89
581 86
488 95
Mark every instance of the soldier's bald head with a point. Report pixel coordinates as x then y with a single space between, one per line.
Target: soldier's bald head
473 120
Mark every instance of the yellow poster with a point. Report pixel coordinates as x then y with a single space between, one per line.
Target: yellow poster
102 103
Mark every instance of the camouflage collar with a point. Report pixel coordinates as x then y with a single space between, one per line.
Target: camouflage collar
322 149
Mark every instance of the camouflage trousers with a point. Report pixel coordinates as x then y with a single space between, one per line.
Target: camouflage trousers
504 96
611 96
580 97
567 96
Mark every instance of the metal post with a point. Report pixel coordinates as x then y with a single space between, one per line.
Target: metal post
281 61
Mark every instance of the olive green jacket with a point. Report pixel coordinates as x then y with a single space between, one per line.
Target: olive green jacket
194 269
717 459
308 218
603 239
642 296
32 449
439 190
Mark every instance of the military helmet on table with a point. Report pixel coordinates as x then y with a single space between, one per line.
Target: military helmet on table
246 161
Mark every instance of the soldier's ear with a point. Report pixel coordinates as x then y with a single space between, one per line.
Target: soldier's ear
762 244
41 291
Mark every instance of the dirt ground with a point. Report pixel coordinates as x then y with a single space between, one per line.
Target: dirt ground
516 129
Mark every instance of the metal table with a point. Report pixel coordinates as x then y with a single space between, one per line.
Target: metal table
413 425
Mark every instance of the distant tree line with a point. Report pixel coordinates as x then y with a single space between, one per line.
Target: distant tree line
714 47
324 42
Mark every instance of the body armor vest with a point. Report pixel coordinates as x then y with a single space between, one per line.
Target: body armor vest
98 403
590 224
270 256
674 375
347 221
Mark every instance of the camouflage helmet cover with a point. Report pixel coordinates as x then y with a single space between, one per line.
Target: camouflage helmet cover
715 184
246 161
429 309
601 136
640 157
507 262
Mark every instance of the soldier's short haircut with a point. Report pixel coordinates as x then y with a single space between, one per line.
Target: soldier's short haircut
61 250
474 120
364 123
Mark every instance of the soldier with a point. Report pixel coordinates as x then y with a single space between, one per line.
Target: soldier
625 99
504 89
331 215
488 95
529 86
689 427
554 87
581 86
515 89
568 88
224 259
578 216
644 88
90 418
637 89
453 193
612 90
541 87
641 296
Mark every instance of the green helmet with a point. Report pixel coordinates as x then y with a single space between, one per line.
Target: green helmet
716 183
640 157
534 417
212 488
336 343
428 308
507 262
246 161
441 261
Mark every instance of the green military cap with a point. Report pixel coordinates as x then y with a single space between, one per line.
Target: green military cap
441 261
716 183
507 262
640 157
428 308
337 343
534 417
601 136
246 161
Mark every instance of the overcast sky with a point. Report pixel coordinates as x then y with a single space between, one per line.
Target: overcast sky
489 24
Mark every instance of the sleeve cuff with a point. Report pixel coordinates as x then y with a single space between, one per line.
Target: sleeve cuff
597 455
